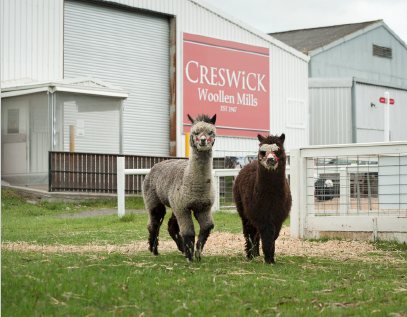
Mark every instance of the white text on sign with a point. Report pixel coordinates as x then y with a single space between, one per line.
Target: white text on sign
228 109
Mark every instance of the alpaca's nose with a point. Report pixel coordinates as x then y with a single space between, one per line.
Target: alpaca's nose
271 160
203 140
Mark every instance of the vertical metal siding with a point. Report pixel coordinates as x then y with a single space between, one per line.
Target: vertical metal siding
330 115
31 40
370 124
131 50
234 146
288 72
354 58
97 136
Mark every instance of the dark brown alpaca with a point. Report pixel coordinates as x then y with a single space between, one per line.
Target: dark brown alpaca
263 197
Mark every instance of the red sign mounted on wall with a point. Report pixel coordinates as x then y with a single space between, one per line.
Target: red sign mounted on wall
383 100
230 80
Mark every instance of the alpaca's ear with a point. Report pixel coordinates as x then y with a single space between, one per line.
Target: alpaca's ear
213 120
190 119
260 137
282 138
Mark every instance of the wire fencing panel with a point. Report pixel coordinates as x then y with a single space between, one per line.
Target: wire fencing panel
372 185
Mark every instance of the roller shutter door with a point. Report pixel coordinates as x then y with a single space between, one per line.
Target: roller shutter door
129 49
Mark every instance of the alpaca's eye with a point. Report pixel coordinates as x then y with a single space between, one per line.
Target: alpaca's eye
263 153
210 133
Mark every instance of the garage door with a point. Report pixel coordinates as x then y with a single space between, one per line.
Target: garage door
128 49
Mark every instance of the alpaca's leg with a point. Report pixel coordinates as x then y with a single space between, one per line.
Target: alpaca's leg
173 230
251 237
206 224
155 219
249 231
267 234
187 231
256 249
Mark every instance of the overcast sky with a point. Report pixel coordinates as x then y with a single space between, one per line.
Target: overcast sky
284 15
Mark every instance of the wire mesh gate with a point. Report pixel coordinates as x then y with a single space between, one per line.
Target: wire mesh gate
357 188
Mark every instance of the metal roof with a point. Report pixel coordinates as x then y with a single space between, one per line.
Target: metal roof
82 85
306 40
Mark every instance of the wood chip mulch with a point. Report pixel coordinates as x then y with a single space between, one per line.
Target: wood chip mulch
228 244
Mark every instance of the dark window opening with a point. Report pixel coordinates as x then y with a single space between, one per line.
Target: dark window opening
381 51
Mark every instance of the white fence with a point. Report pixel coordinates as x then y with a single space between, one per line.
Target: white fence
371 198
121 172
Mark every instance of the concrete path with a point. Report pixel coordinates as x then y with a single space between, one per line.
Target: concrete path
102 212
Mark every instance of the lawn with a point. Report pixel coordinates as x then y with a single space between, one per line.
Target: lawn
110 283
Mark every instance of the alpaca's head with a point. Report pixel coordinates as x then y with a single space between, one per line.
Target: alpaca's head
203 132
271 151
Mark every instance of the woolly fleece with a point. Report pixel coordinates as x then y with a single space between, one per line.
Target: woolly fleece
184 186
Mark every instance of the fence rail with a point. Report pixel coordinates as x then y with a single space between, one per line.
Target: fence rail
218 174
97 172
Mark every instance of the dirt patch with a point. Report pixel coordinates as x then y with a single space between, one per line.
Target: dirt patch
228 244
94 213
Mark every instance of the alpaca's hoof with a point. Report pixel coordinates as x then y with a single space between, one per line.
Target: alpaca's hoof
269 260
189 260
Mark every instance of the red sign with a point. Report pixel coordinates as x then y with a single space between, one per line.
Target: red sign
230 80
383 100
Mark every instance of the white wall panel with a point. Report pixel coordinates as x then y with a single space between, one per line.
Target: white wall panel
288 67
130 50
370 120
330 115
97 137
31 40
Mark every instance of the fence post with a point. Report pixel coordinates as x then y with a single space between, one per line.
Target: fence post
120 187
295 192
344 187
216 205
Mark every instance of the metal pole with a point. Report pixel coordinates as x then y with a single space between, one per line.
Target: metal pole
369 193
386 117
120 187
187 144
216 204
72 138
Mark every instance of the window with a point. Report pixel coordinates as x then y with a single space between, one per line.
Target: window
381 51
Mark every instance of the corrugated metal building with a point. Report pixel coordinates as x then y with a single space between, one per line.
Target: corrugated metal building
347 110
137 45
351 67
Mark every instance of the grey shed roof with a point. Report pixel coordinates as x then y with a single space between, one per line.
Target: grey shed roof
306 40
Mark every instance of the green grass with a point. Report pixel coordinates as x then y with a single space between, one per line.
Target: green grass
116 284
111 284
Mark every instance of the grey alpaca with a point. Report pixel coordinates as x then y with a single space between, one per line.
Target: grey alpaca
184 185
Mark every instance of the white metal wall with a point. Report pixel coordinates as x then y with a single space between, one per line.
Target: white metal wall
288 67
31 40
354 57
330 109
370 120
131 50
97 136
234 146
